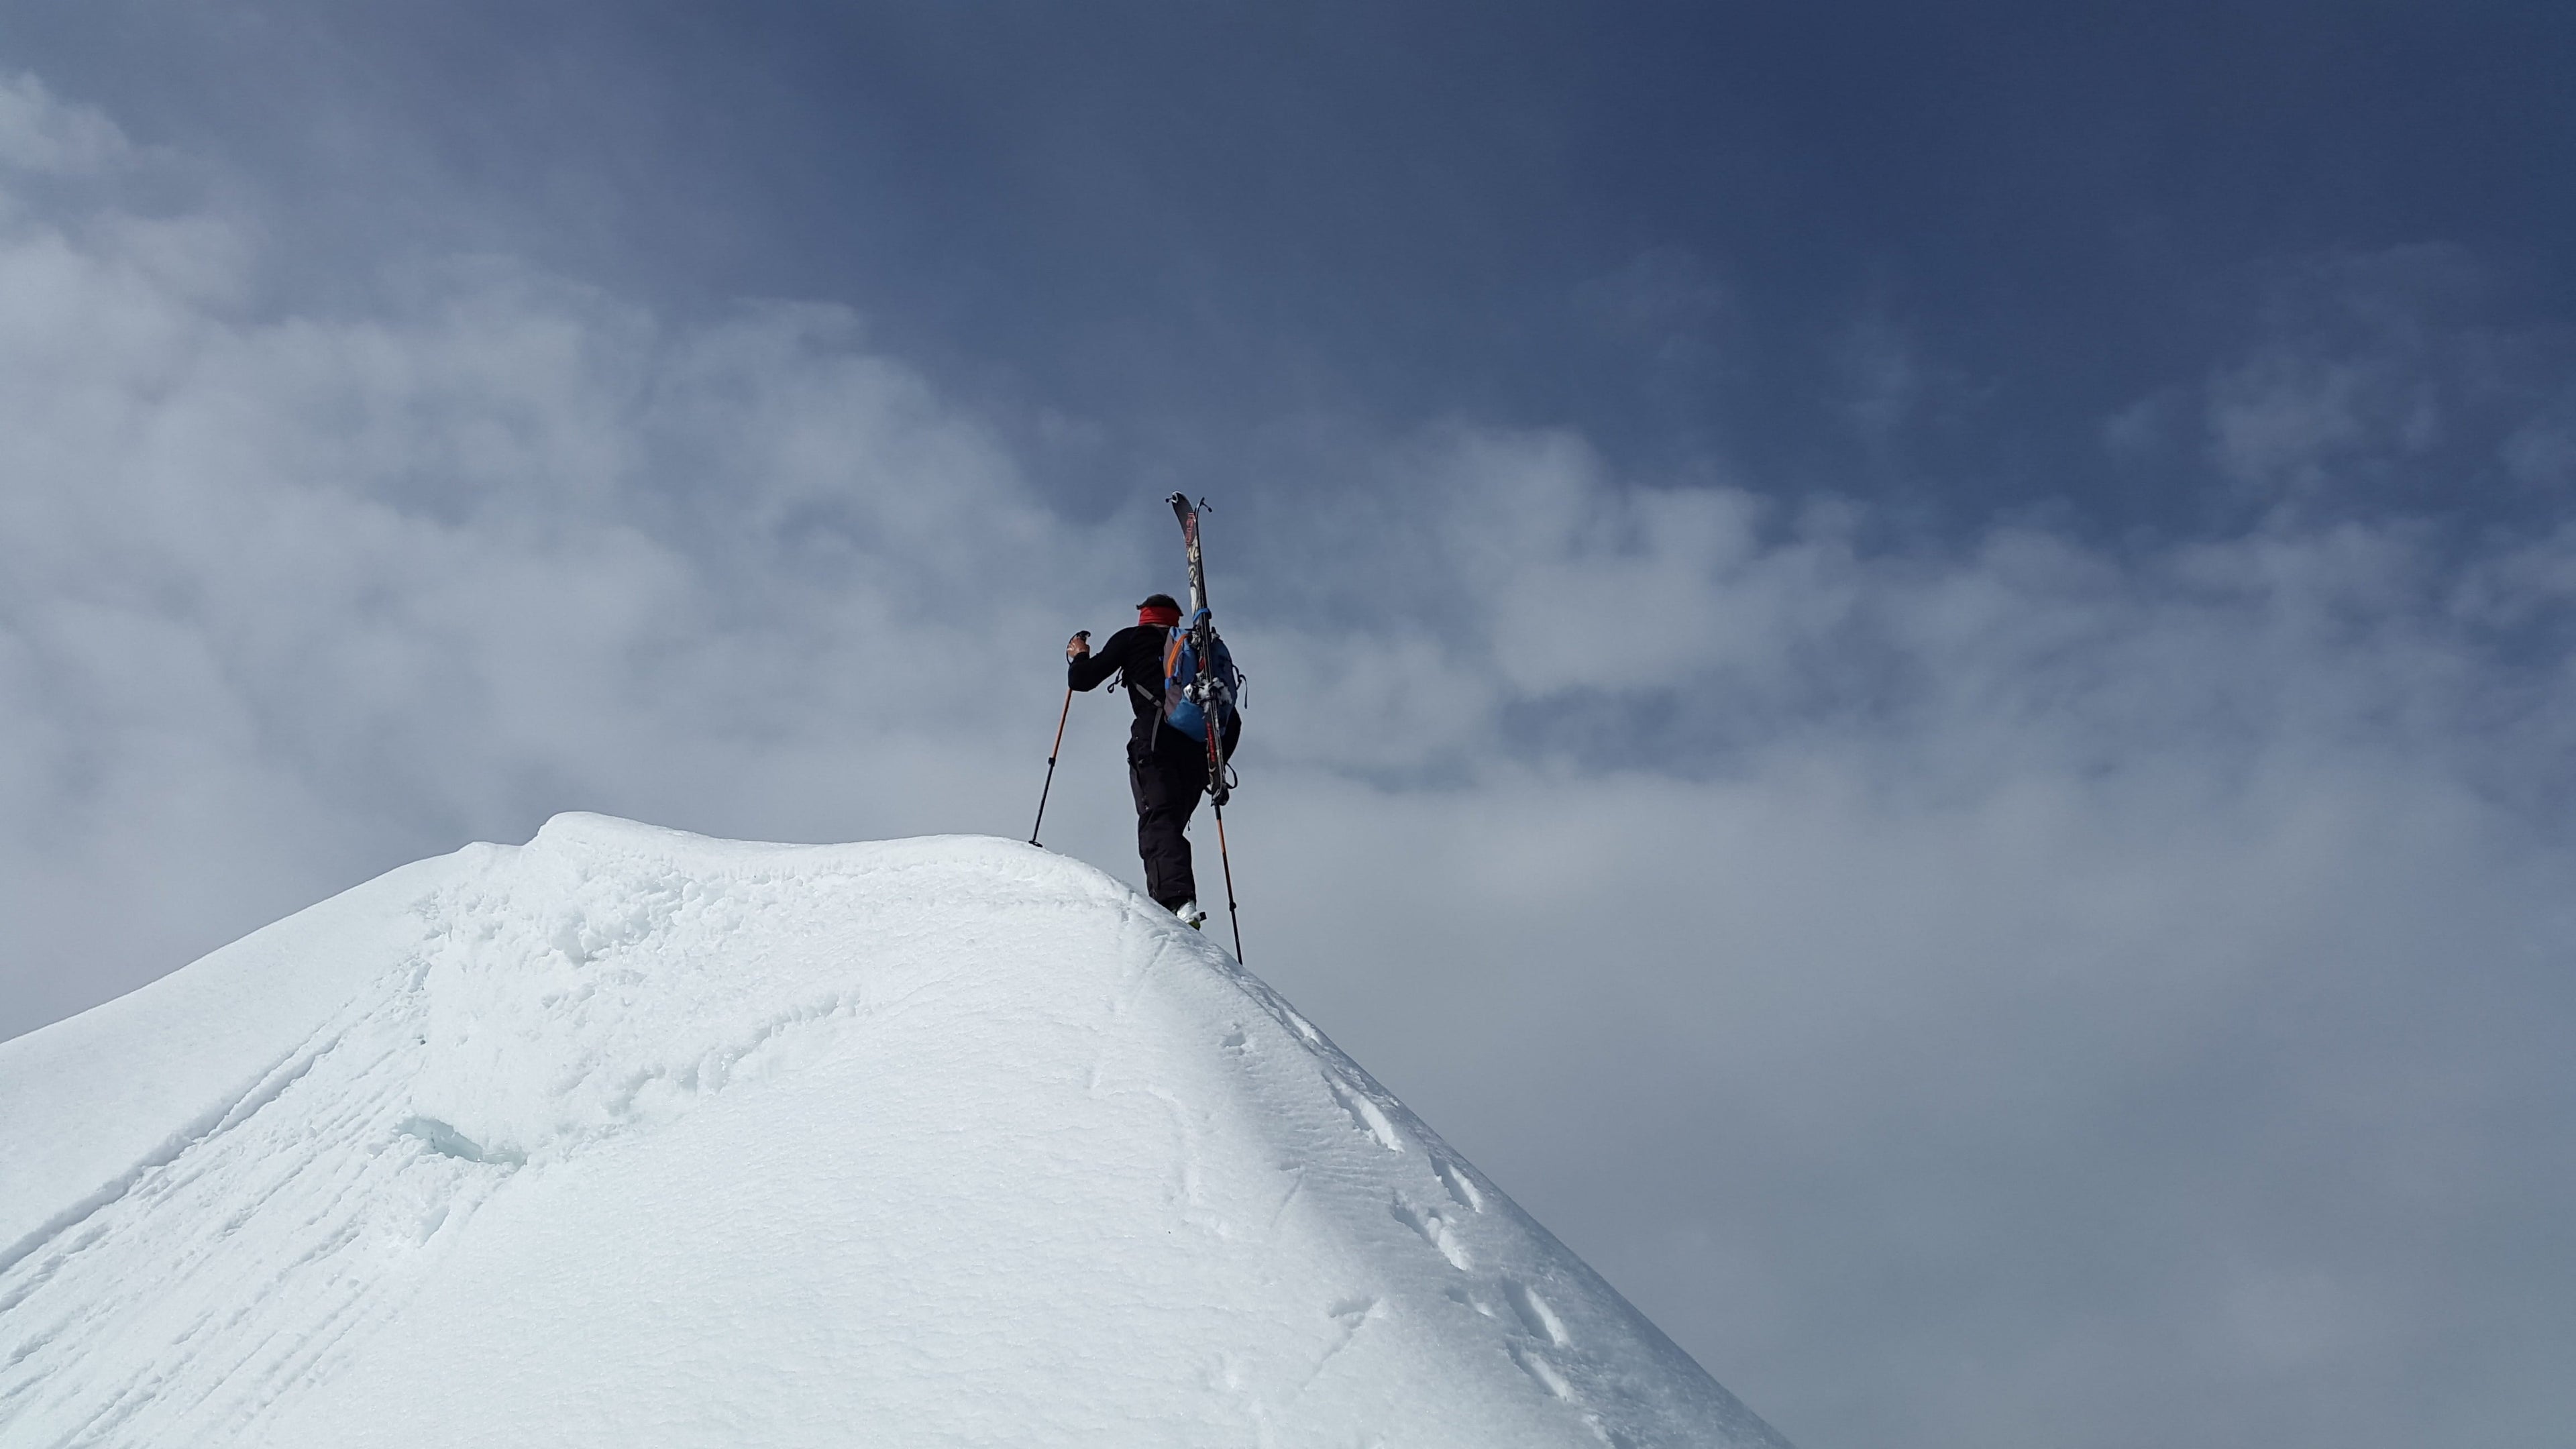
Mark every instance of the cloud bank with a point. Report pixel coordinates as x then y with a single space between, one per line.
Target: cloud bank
2021 991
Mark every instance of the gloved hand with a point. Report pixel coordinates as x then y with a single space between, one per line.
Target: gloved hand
1078 647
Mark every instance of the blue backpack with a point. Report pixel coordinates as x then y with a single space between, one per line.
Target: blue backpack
1187 680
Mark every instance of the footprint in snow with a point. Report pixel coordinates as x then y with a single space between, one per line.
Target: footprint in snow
1435 1230
1549 1376
1372 1119
1534 1313
1461 1187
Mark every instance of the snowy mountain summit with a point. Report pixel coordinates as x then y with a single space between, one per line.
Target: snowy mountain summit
632 1138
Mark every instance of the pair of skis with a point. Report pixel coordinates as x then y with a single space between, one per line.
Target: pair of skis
1207 690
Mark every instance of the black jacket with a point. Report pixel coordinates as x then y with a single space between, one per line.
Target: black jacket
1135 654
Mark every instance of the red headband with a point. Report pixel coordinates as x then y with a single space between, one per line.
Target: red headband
1164 617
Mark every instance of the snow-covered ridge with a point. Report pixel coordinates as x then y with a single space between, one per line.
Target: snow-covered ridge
630 1137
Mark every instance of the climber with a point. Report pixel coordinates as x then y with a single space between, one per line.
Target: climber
1167 768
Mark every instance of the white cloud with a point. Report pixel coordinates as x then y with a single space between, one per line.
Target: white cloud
2379 379
41 134
278 592
2283 419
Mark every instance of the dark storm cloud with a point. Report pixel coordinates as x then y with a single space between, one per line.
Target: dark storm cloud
1183 224
1909 666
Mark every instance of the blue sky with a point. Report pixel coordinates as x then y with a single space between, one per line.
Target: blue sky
1909 666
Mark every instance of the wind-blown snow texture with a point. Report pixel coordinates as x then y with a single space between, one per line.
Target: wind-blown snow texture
627 1137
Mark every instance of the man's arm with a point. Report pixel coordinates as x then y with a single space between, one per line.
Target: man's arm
1084 669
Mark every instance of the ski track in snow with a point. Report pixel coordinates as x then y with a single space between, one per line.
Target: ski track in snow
582 996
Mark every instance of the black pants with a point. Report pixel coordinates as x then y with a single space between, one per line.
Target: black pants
1167 790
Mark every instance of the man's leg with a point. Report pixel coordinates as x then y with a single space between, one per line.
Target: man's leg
1165 799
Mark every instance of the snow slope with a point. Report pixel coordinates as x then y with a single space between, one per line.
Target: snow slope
632 1138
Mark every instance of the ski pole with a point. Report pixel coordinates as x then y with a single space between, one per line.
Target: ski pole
1228 862
1052 751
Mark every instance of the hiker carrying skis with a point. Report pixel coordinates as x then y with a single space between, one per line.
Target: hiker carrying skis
1167 770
